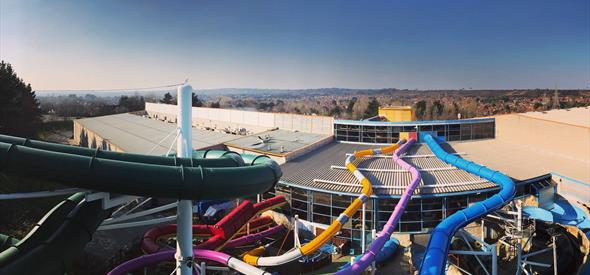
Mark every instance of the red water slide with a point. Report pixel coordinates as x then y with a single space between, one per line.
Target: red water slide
241 220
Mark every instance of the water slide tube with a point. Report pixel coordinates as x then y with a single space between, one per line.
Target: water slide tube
168 255
223 231
385 253
131 174
251 238
382 237
435 257
150 242
236 264
56 240
327 234
6 242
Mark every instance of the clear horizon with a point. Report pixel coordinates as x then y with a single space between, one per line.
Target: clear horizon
430 45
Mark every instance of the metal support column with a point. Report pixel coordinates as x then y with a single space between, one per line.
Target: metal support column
184 148
363 230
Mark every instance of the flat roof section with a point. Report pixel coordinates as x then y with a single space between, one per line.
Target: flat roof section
574 116
138 134
522 161
276 142
324 169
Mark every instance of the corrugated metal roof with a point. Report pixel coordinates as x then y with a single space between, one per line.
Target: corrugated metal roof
315 170
138 134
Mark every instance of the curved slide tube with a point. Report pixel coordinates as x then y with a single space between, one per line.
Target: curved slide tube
382 237
168 255
7 241
248 239
385 253
150 242
435 257
223 231
121 173
327 234
56 240
210 158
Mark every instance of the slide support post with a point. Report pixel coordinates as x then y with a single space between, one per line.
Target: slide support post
184 148
363 229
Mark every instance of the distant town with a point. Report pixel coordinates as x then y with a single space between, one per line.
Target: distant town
340 103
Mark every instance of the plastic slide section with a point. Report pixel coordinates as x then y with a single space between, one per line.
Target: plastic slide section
168 255
251 238
6 242
153 176
150 242
56 240
435 257
561 212
385 253
223 231
335 227
236 264
382 237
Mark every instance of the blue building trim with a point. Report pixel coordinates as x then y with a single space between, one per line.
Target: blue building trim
410 123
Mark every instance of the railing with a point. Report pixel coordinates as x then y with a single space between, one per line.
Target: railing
572 188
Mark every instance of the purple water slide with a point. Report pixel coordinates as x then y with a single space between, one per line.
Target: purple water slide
219 257
168 255
382 237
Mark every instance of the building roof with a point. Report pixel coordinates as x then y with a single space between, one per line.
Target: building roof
522 161
396 108
414 122
323 170
574 116
277 142
139 134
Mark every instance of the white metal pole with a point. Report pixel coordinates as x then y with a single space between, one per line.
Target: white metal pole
363 235
494 250
373 236
554 254
295 233
184 147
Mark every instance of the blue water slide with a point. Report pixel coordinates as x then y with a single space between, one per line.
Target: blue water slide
385 253
435 258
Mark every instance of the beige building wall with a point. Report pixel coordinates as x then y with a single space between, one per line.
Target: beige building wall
86 138
545 136
252 121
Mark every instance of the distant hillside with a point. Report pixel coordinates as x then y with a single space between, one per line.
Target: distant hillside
216 92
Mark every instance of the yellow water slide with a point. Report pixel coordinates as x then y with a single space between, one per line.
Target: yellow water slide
309 248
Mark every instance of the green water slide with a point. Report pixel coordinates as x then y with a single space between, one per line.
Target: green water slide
213 175
56 240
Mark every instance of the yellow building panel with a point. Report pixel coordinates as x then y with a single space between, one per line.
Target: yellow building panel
398 113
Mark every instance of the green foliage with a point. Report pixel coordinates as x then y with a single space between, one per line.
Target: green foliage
130 104
19 108
436 109
168 99
372 108
420 108
196 101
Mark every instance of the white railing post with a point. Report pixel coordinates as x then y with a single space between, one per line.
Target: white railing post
363 229
184 148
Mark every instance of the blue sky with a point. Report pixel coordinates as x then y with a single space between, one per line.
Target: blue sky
298 44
